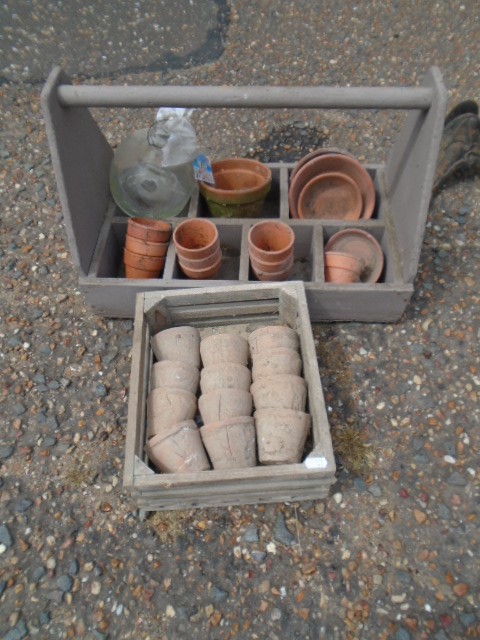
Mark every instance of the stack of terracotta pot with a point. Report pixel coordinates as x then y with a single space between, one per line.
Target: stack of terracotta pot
174 444
353 255
146 246
279 394
271 250
226 403
330 184
198 248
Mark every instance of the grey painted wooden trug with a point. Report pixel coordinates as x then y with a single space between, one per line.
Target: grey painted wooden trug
96 228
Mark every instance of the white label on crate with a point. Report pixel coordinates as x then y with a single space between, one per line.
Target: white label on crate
315 463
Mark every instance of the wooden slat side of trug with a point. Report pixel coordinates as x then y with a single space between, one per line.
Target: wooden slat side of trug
243 306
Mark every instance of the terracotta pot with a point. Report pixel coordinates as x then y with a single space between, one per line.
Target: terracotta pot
282 391
342 268
362 245
203 263
180 451
270 241
281 435
276 362
144 248
220 404
224 347
173 374
225 375
241 186
204 273
271 267
330 196
196 239
149 263
140 274
149 230
333 163
166 407
316 153
230 443
272 337
276 273
178 343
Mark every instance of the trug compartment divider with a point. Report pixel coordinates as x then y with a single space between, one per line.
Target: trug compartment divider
96 228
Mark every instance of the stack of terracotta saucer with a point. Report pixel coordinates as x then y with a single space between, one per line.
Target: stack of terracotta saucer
330 184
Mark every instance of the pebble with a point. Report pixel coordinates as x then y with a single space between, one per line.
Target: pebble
337 497
3 585
95 588
218 595
38 574
101 390
375 489
258 556
457 480
402 634
5 536
444 512
468 619
399 598
19 409
276 614
251 534
281 533
18 632
23 505
73 568
64 583
44 618
6 452
359 484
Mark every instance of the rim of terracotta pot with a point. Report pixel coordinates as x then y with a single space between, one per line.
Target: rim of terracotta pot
146 248
201 274
149 263
313 198
149 229
337 163
270 241
288 334
247 165
271 267
203 263
318 152
266 275
195 238
339 275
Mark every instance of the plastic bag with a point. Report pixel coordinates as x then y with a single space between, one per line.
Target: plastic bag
152 173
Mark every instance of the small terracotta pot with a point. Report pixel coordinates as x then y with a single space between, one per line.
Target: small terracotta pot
276 362
275 273
272 337
281 435
149 263
333 163
241 186
173 374
342 268
180 451
144 248
149 230
330 196
220 404
178 343
140 274
270 241
196 239
230 443
224 347
203 263
282 391
166 407
362 245
271 267
225 375
202 274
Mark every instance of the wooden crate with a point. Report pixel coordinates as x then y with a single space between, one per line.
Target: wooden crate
96 228
239 309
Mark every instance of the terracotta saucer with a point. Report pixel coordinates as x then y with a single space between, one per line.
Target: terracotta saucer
314 154
330 196
362 245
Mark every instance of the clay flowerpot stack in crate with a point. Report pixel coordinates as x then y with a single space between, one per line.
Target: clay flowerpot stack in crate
174 444
226 403
279 394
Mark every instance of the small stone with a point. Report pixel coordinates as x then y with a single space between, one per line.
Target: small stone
23 505
5 536
218 595
468 619
456 479
360 485
444 512
402 634
64 583
101 390
337 497
461 589
3 586
272 548
19 409
276 614
251 534
73 568
18 632
55 596
6 452
170 611
95 588
375 490
420 516
209 609
51 563
399 599
38 574
258 556
44 618
281 533
49 442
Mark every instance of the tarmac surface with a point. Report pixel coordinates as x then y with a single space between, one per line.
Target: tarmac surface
393 553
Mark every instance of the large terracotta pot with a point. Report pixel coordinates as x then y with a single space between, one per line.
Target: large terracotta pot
272 337
178 343
179 451
225 375
224 347
230 443
270 241
275 362
281 435
173 374
282 391
196 239
220 404
241 186
166 407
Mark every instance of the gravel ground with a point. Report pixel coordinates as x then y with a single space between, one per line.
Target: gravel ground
393 552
